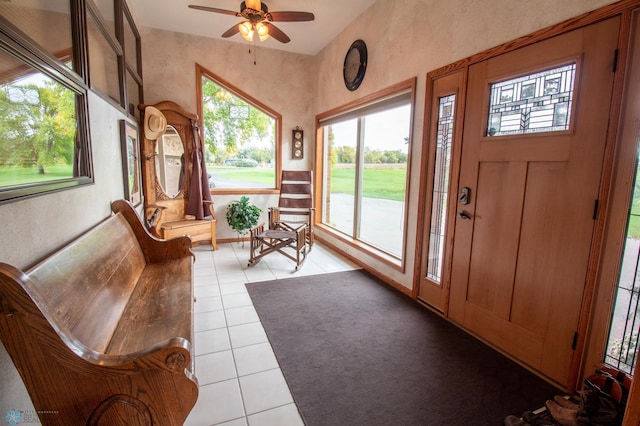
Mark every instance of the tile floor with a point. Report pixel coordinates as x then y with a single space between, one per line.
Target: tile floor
239 376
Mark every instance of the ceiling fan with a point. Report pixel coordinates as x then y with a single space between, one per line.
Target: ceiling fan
258 20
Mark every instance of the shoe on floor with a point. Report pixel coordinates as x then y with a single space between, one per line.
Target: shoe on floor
514 421
566 403
564 416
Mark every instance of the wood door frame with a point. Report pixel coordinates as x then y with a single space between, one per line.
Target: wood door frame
456 86
621 184
624 9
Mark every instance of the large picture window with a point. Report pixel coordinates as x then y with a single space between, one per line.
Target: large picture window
44 137
365 171
242 137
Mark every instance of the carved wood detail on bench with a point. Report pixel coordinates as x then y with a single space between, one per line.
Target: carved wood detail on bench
101 332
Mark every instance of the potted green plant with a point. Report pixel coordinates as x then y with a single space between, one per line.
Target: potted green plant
242 216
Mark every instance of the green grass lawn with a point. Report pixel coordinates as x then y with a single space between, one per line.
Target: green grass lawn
15 175
634 221
388 184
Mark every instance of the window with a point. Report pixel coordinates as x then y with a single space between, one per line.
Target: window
539 102
48 24
365 171
104 54
444 137
622 347
44 138
45 63
129 38
242 137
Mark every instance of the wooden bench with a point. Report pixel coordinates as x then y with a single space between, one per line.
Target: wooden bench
101 332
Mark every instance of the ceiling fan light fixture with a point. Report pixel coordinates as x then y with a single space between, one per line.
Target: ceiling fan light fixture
253 4
263 31
257 18
246 30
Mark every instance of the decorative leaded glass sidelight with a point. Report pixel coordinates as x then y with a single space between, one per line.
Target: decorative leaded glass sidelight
441 170
539 102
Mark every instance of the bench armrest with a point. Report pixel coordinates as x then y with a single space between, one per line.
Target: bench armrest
154 249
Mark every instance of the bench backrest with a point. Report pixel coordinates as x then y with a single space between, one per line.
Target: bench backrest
86 285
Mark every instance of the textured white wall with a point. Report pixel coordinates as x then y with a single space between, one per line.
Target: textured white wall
35 227
282 81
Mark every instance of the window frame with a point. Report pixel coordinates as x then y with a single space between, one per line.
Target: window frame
94 13
203 72
366 104
124 19
440 191
15 43
22 47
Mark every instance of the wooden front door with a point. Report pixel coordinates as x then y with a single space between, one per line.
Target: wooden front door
522 242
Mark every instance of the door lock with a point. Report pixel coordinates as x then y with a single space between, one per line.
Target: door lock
464 196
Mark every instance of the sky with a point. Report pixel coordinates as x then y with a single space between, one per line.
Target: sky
384 131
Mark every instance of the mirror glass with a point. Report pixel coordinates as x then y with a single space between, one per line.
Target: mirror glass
170 162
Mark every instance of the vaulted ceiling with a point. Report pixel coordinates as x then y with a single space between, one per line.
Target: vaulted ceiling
331 17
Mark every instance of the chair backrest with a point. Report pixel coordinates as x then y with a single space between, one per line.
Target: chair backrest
296 192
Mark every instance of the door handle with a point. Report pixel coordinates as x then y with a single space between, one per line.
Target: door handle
464 215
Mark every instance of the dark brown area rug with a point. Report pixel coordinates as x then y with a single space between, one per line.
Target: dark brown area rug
354 351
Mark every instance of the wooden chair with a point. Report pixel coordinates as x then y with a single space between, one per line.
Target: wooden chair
290 229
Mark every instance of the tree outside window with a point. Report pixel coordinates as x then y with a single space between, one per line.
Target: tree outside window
240 138
38 131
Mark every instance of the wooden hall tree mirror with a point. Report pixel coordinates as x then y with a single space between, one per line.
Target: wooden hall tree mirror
176 191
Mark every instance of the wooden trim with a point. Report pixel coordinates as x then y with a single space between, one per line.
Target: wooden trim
406 85
605 193
231 191
387 259
371 98
427 180
632 413
318 175
407 190
373 271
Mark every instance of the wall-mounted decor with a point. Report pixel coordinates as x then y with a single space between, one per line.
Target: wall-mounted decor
130 162
297 144
355 65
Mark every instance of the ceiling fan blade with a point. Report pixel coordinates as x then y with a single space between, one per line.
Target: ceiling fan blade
277 33
231 31
213 9
292 16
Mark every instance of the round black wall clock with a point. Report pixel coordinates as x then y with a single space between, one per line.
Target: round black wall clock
355 65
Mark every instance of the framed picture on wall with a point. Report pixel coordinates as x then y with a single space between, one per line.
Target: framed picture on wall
130 162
